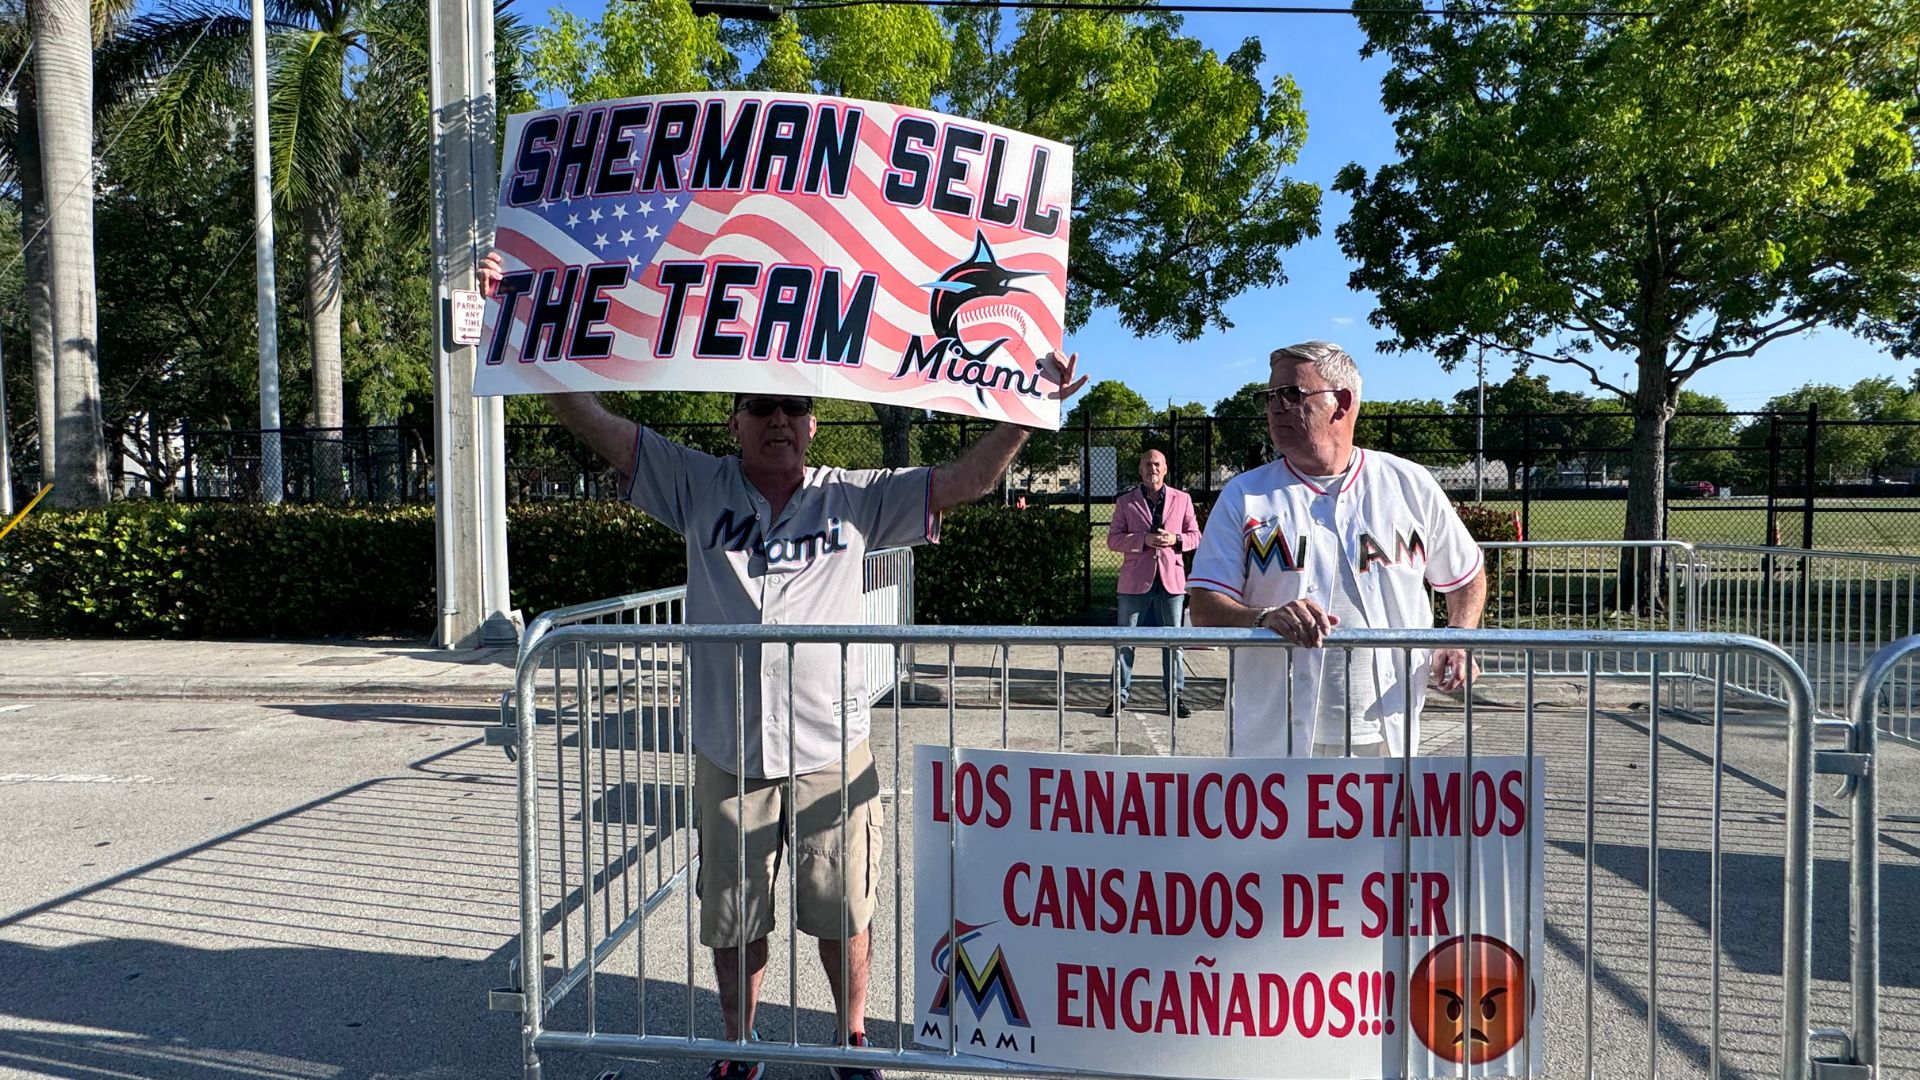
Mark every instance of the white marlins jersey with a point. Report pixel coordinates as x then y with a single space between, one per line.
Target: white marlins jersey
1275 536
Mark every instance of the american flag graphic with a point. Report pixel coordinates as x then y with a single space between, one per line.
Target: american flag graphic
906 249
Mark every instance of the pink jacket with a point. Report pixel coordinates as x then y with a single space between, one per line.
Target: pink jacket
1128 531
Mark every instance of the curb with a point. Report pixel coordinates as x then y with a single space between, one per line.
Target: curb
177 688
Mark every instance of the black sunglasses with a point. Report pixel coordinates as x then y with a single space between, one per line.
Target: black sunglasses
1287 397
763 407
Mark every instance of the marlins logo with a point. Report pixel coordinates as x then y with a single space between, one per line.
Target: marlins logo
979 277
980 985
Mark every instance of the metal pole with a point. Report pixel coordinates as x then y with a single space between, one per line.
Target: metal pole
1480 434
271 482
470 469
6 459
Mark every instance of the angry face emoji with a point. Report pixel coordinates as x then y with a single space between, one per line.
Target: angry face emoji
1476 1021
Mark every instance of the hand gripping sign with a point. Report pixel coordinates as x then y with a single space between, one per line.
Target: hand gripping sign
781 244
1241 917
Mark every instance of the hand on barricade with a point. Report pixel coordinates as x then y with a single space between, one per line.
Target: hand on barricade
1302 622
1450 669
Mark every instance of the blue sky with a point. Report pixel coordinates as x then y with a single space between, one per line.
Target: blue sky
1345 122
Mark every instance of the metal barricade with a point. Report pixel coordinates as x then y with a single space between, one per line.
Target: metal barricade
1829 610
1679 871
1608 585
1883 697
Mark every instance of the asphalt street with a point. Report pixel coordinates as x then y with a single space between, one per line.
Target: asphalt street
250 888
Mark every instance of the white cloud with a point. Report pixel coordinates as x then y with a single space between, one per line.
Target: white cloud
1343 320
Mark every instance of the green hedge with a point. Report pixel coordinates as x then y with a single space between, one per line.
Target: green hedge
997 566
149 569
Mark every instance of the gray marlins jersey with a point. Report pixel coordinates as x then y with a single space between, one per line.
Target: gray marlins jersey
743 566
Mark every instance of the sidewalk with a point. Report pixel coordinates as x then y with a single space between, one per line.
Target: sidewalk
251 670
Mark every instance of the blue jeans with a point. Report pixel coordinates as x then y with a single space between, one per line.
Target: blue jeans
1155 607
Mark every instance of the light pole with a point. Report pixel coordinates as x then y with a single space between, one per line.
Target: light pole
470 513
1480 433
263 287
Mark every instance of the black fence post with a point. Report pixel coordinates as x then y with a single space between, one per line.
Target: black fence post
1773 480
1813 446
1086 506
1526 490
1206 454
1173 449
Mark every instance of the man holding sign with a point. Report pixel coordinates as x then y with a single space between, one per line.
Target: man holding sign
772 540
1332 536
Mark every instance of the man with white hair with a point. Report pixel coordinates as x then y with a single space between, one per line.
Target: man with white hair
1332 536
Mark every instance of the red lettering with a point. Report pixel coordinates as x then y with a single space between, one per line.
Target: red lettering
1066 995
1037 779
1136 1011
1485 804
1317 806
1273 1005
1433 915
1337 993
1273 795
1379 782
1243 806
1329 906
1513 797
1002 811
1348 795
940 791
1374 923
1133 807
1248 893
1439 805
1007 898
1309 1005
1203 824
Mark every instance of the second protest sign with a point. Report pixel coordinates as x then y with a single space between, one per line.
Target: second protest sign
1230 917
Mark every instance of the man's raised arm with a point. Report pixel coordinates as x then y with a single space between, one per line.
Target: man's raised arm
609 435
975 472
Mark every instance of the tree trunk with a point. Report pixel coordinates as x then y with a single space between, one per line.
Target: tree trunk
63 64
37 284
896 435
325 241
1641 587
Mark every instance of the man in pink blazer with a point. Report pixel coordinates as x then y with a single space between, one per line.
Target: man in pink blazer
1153 527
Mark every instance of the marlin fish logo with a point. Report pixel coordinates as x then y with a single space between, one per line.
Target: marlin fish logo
979 277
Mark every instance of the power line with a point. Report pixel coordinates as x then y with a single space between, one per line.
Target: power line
762 11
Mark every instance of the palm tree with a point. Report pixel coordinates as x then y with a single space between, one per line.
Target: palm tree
63 67
348 78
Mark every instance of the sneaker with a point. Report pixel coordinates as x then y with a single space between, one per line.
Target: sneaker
728 1069
1113 707
1180 710
843 1072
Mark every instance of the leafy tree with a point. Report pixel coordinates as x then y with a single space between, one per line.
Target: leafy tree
1680 190
1527 417
1180 198
1841 450
346 107
1419 429
1701 440
1240 440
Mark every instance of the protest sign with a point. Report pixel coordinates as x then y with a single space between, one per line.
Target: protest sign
1230 917
781 244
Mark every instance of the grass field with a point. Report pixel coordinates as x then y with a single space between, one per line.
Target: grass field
1839 525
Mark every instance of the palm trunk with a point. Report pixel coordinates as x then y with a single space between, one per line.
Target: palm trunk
63 64
39 274
325 239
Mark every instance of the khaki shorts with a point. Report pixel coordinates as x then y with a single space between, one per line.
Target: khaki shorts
828 886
